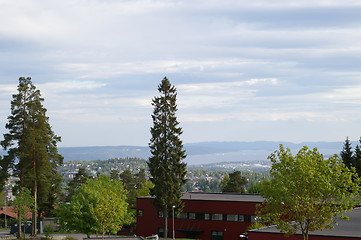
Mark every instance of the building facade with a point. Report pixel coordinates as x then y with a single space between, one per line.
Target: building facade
214 216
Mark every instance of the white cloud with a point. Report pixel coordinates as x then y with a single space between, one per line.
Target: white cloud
100 61
70 85
349 95
224 87
7 88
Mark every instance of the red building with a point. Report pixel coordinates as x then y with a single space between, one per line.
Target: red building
344 230
214 216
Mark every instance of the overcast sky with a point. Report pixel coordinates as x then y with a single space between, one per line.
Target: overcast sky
277 70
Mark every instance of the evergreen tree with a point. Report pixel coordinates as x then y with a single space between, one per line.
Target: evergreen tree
234 183
140 178
80 178
127 178
31 146
114 174
346 153
357 159
166 164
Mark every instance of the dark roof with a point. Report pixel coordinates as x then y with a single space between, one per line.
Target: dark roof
344 228
228 197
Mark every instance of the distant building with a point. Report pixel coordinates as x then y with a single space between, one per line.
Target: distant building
205 216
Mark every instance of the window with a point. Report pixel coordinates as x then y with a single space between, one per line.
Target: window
254 218
191 215
140 213
200 216
232 217
240 218
217 216
206 216
160 214
182 215
217 235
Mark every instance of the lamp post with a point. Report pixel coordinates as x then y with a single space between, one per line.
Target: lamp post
173 207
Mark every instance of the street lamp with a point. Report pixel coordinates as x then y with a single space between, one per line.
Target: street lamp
173 207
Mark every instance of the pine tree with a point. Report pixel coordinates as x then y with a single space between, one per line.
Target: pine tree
80 178
346 153
31 146
234 183
166 164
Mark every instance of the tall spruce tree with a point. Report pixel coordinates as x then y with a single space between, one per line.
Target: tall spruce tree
166 164
357 159
346 154
31 146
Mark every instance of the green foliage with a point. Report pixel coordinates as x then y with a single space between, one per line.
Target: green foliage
234 182
306 191
80 178
346 154
32 148
22 204
48 229
99 206
352 159
256 225
2 196
256 187
145 189
206 178
166 164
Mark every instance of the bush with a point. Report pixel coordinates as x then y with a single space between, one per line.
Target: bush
48 229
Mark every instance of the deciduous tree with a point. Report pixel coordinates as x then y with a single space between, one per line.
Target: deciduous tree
166 164
306 191
22 204
99 206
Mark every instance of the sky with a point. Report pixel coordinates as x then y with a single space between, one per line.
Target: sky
244 70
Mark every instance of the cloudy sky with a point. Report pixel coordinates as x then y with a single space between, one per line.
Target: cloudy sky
245 70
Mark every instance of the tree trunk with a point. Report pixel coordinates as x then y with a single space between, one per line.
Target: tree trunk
165 215
34 219
19 226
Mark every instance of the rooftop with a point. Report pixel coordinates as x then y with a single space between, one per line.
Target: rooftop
233 197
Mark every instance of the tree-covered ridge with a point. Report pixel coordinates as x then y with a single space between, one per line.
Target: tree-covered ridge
101 166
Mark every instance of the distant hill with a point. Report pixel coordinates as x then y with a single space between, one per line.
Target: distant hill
200 153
